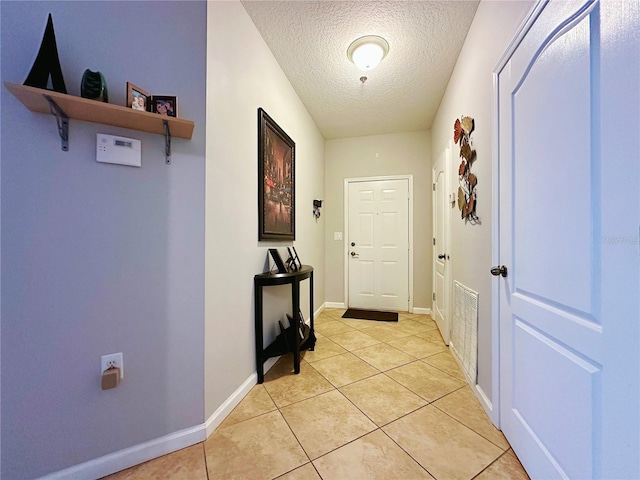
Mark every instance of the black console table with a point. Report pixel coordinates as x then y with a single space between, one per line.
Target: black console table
280 346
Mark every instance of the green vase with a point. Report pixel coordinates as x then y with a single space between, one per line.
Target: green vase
94 86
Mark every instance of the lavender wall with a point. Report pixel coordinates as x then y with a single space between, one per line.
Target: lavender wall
100 258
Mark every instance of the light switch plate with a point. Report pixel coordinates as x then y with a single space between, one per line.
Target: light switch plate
118 150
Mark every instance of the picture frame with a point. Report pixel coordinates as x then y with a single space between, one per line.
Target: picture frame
300 324
137 98
292 265
277 259
294 260
164 105
296 257
276 181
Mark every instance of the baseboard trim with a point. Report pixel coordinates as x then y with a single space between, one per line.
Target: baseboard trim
416 310
421 311
477 390
229 404
486 404
129 457
236 397
334 305
143 452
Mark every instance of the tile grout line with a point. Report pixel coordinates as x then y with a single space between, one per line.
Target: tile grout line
422 359
487 467
410 456
384 372
206 466
467 426
297 440
380 427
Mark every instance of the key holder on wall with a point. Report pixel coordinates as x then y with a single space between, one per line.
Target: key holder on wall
317 204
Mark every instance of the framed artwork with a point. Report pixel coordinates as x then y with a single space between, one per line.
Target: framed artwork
277 259
137 98
165 105
276 181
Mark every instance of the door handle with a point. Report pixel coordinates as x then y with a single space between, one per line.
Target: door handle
441 256
354 254
501 270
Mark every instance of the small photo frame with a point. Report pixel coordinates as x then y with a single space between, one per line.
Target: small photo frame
296 257
293 262
137 98
301 324
278 260
164 105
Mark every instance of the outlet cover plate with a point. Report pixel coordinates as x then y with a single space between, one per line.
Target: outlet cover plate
105 360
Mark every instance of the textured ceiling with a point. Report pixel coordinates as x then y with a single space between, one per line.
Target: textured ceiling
309 39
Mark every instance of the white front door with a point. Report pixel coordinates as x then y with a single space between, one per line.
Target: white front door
378 244
441 271
569 125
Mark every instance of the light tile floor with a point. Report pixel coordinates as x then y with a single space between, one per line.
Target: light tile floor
375 400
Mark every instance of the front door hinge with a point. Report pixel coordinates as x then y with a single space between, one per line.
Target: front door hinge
434 186
434 240
433 296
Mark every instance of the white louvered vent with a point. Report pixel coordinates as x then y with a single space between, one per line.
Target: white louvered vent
464 331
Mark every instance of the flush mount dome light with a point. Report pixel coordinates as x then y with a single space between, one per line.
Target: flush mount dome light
367 52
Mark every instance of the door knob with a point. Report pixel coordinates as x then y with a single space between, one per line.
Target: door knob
441 256
501 270
354 254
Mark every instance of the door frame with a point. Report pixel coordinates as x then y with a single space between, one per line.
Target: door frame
448 279
348 181
494 404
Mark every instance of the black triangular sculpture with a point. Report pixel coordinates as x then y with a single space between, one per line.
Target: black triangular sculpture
47 63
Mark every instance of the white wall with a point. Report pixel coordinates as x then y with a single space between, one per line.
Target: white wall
377 155
469 92
242 75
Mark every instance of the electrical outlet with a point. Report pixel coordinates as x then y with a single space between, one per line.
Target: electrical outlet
112 360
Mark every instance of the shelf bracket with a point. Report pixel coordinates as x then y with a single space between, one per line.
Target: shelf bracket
167 142
62 120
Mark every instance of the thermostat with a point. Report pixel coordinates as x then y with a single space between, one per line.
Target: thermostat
118 150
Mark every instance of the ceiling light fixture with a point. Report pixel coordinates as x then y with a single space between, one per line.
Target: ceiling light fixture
367 52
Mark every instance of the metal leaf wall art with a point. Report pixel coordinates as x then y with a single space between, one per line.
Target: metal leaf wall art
467 195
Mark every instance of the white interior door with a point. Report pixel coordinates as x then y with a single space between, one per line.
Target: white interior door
378 241
568 219
440 306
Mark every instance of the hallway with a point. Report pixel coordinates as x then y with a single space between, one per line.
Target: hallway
375 400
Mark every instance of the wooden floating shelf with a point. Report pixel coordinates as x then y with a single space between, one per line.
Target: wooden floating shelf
99 112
